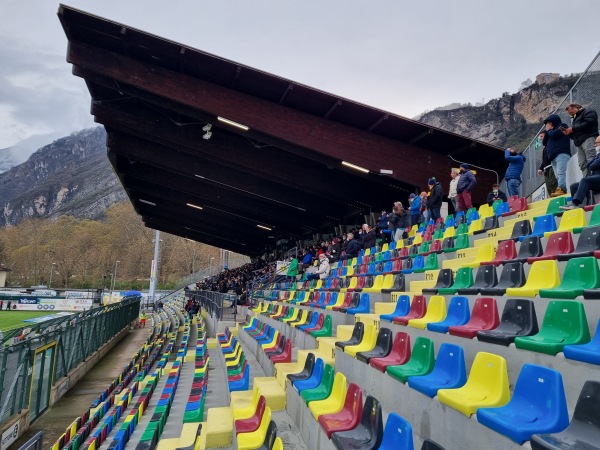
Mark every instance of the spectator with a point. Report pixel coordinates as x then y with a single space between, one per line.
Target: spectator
368 236
322 270
398 221
516 162
454 174
495 194
464 187
558 147
143 320
334 253
415 209
352 247
435 199
579 191
424 217
583 131
382 223
546 169
306 260
292 271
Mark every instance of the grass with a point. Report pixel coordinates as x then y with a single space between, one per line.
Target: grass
14 319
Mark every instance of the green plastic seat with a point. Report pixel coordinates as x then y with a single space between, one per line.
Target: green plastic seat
431 263
326 331
565 323
438 235
461 241
555 204
323 390
463 228
496 204
421 361
462 280
580 273
424 247
593 222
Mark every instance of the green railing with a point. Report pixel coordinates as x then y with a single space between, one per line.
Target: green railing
31 363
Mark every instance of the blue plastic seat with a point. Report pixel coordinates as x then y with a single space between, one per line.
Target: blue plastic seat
449 372
418 263
542 224
364 307
589 353
397 434
458 314
502 208
314 380
538 405
402 308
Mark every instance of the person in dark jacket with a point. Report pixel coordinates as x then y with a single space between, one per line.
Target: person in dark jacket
558 147
583 131
495 194
546 168
516 162
465 185
352 247
368 236
579 191
435 199
415 209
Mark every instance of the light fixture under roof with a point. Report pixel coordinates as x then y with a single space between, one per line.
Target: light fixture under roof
147 202
355 167
232 123
264 228
191 205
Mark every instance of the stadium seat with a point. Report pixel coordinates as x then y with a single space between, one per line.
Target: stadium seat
369 432
555 204
589 353
309 365
521 228
594 219
436 312
542 275
399 355
421 361
486 278
402 309
584 430
483 317
564 323
542 225
349 416
253 440
249 424
363 307
357 335
449 372
313 380
506 251
447 244
417 263
283 356
574 218
460 242
397 434
579 274
530 247
366 344
323 389
501 208
512 275
397 285
458 314
272 442
518 319
430 263
445 279
383 347
557 244
489 223
515 205
487 386
334 402
588 243
463 279
428 444
538 405
418 308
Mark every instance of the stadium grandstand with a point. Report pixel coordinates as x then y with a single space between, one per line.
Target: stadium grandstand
477 330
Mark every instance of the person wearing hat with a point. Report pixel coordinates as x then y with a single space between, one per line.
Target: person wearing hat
495 194
465 185
558 147
322 270
435 199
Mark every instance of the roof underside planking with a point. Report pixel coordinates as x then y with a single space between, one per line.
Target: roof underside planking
282 177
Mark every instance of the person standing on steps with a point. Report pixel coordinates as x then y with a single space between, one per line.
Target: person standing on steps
558 147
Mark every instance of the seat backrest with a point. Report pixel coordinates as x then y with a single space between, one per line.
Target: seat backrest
445 278
560 243
589 240
353 403
399 282
488 374
327 326
520 312
501 207
486 276
407 264
571 219
555 204
544 224
512 275
418 306
543 275
355 300
372 419
463 228
397 434
271 435
327 378
458 310
543 389
338 390
448 243
449 220
401 345
358 331
490 222
587 409
436 245
464 278
461 241
428 444
449 232
402 305
485 311
565 319
521 228
530 247
370 334
422 351
419 262
581 273
451 360
437 306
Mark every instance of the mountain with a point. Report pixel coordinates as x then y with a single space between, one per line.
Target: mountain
6 159
70 176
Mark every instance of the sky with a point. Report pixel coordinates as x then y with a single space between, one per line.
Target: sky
402 57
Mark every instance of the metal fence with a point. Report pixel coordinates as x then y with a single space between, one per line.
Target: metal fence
585 91
49 350
221 306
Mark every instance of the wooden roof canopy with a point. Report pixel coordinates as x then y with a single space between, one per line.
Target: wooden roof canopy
272 168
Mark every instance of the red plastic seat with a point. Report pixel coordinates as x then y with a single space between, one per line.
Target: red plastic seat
400 353
252 423
318 326
418 308
435 247
346 304
403 253
285 356
558 244
515 204
506 251
483 317
360 284
240 375
348 417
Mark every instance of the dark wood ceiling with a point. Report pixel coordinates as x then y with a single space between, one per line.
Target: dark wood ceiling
282 177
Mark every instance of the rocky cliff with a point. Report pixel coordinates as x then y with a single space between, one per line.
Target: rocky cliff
509 121
71 176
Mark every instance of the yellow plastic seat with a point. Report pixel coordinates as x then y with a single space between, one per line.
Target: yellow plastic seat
353 283
366 344
339 302
303 318
486 387
476 225
572 218
247 411
278 444
293 317
485 211
436 312
335 402
449 232
254 439
377 284
385 247
542 275
413 231
418 239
